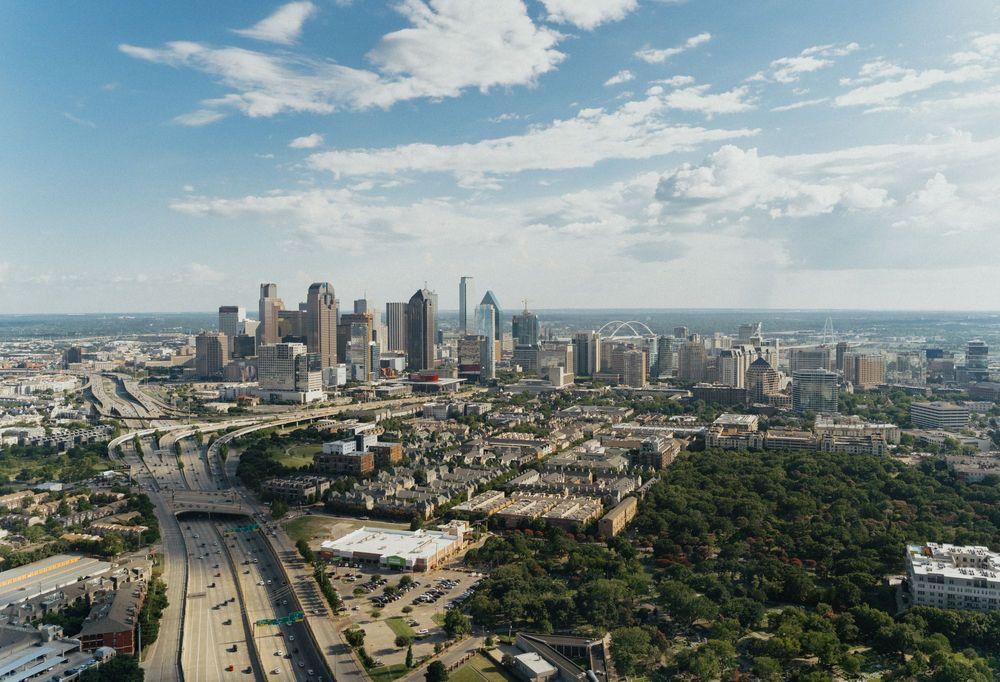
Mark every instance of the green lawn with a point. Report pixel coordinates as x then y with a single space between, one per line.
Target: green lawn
306 528
401 627
300 455
388 672
438 618
480 669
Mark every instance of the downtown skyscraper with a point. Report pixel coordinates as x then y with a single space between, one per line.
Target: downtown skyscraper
269 306
421 328
321 323
466 305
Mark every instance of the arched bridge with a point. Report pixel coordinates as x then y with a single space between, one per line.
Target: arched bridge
617 326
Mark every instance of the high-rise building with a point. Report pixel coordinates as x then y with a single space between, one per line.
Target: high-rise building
810 358
815 390
634 368
363 305
748 331
490 299
733 365
395 321
292 326
691 361
244 346
466 305
354 339
249 327
288 372
555 354
681 332
268 307
321 323
231 319
526 329
977 363
840 351
489 344
211 354
762 380
421 328
864 370
587 353
665 351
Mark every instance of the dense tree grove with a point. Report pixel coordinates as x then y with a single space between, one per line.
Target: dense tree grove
767 564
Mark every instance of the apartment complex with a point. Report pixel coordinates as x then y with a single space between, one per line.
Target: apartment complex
953 577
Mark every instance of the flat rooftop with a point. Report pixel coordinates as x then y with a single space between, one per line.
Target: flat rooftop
32 580
410 545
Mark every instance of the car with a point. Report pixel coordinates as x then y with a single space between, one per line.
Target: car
301 664
291 638
278 652
423 631
275 671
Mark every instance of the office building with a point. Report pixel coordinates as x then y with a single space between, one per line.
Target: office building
211 354
977 365
815 390
490 299
395 321
489 349
864 370
466 305
526 329
634 368
762 380
231 319
268 307
748 331
321 323
244 346
665 356
421 329
939 415
691 361
681 332
587 353
841 351
733 364
947 576
354 344
288 372
292 326
810 358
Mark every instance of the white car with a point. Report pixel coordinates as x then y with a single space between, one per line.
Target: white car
278 652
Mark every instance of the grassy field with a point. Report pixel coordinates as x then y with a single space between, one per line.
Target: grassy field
480 669
438 618
401 627
321 527
388 672
300 455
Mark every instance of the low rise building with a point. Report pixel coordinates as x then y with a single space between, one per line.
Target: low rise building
298 489
939 415
614 522
112 621
420 550
953 577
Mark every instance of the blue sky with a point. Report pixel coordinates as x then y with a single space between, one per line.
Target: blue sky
614 153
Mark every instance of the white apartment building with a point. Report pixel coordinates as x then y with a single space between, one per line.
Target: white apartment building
852 426
954 577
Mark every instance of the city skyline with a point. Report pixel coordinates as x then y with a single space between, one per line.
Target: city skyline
635 154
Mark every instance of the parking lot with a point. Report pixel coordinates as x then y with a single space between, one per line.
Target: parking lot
414 606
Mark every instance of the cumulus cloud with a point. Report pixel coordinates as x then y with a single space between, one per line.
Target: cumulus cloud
801 104
697 98
623 76
636 130
283 27
652 55
307 141
450 46
588 14
789 69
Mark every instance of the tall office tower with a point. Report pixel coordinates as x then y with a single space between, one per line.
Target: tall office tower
249 327
489 344
733 365
321 323
72 355
664 357
287 371
815 390
761 381
634 368
490 299
748 331
555 354
720 341
681 332
354 339
977 363
244 346
526 329
864 370
211 354
231 319
421 325
292 326
395 321
691 361
466 305
770 350
810 358
268 307
587 353
363 305
840 351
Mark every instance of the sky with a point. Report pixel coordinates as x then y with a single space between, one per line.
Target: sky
571 153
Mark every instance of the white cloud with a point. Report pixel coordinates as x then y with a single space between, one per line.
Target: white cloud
636 130
801 104
588 14
697 98
790 69
887 93
282 27
451 45
199 117
675 81
79 121
307 141
203 274
188 188
658 56
623 76
507 116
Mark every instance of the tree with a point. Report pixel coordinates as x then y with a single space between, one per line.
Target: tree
456 623
409 655
278 509
403 640
630 649
356 637
305 551
436 672
120 668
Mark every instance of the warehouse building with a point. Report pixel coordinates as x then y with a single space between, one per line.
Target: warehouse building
419 550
